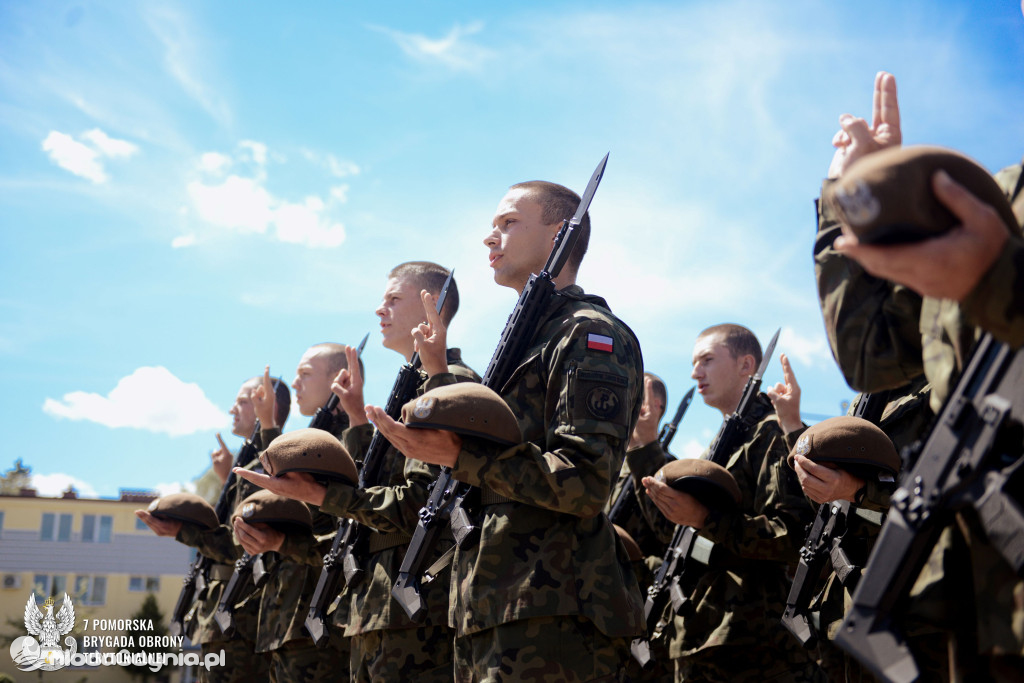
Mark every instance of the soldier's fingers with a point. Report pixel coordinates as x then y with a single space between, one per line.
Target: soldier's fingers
352 356
787 372
261 480
267 386
888 108
221 442
857 129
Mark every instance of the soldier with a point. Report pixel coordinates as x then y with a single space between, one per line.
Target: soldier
547 593
640 518
293 560
242 664
969 280
386 644
733 632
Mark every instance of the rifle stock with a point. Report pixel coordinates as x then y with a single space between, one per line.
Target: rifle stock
970 457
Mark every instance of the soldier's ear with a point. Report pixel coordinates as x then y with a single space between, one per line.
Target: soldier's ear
747 364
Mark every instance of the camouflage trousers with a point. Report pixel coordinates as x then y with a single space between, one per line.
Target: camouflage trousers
746 664
301 660
422 655
241 663
565 649
931 653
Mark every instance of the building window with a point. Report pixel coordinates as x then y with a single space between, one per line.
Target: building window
140 525
45 585
89 531
1 522
91 590
46 530
64 528
150 584
61 524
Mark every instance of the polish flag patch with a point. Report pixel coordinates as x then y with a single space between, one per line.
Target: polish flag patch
599 342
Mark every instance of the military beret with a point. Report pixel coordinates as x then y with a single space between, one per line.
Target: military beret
185 507
851 443
309 450
281 513
632 547
464 408
711 484
887 198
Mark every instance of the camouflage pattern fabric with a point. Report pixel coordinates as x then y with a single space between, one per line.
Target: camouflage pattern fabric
539 650
413 655
241 664
661 669
859 309
643 520
302 661
549 551
746 664
738 600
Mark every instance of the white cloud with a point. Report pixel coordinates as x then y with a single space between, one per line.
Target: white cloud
238 203
257 150
304 224
84 160
214 162
340 193
813 350
151 398
182 241
169 487
691 449
54 485
75 157
109 146
452 51
341 168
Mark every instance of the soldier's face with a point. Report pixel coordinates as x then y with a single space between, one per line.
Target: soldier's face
400 311
312 382
243 413
720 375
519 241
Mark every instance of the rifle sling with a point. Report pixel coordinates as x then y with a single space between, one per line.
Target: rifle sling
221 572
873 516
489 497
379 542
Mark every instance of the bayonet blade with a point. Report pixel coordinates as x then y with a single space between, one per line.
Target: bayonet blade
591 190
362 345
683 405
444 291
769 350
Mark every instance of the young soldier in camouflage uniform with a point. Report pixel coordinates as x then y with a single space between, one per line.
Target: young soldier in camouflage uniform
241 663
970 280
386 644
734 632
547 594
293 561
641 519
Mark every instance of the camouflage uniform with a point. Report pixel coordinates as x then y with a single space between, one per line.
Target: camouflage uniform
285 597
644 522
386 644
734 631
242 663
861 310
549 571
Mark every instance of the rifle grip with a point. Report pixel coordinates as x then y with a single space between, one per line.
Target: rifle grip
465 531
350 566
681 605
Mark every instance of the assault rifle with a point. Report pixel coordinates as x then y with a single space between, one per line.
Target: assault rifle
677 568
971 458
626 499
195 579
448 497
821 549
350 542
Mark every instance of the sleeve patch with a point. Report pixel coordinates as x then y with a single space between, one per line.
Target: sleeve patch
600 342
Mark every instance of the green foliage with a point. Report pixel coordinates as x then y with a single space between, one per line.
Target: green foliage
148 611
15 479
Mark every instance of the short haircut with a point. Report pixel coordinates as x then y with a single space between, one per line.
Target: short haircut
281 395
334 353
739 340
430 276
559 203
660 391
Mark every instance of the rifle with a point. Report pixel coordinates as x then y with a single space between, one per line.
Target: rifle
970 458
823 544
626 499
195 579
449 498
351 540
676 569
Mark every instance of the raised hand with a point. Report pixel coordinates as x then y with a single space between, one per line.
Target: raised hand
264 401
646 429
785 397
221 460
856 139
348 387
430 339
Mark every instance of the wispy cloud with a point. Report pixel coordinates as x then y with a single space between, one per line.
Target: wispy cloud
243 203
810 350
151 398
53 485
453 50
86 160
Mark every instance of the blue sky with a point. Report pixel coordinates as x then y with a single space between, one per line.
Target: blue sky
190 191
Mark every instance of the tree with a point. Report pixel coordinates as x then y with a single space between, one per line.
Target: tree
15 479
149 611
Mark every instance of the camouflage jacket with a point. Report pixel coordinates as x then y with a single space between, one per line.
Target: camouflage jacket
392 510
641 518
739 598
219 545
548 550
293 572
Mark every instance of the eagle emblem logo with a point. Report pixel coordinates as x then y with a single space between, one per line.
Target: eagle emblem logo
47 627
